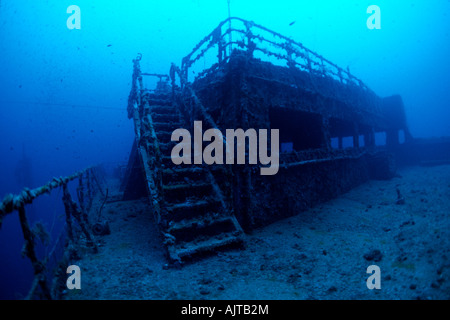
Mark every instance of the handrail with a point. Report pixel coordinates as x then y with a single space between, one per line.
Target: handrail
135 104
295 53
12 203
78 212
157 75
190 93
136 87
160 76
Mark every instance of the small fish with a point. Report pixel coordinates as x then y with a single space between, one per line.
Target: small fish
290 24
109 45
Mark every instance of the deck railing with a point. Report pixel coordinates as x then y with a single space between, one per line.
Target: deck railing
237 33
77 226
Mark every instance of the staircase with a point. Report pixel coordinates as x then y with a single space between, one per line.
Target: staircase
194 219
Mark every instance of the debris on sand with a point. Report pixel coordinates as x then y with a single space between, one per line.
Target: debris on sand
400 200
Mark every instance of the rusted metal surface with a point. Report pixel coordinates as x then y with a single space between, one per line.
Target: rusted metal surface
257 79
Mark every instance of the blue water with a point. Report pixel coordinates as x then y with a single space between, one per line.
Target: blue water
63 93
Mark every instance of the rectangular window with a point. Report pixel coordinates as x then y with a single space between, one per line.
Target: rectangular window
335 143
298 130
380 138
287 147
347 142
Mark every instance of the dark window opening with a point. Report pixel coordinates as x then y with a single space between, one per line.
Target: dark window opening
380 138
341 133
341 128
298 130
286 147
361 141
335 143
366 136
347 142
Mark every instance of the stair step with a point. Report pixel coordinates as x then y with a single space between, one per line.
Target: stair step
157 117
194 222
188 251
166 126
159 109
188 210
166 147
164 136
168 163
209 225
183 175
180 192
161 100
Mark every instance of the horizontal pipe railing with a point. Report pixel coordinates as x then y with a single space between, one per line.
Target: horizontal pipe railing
74 212
289 50
12 203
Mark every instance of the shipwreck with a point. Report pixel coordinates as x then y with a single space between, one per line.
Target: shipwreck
329 122
335 133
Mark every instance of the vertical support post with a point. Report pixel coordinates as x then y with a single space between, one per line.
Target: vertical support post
72 210
340 75
220 53
230 39
392 138
172 79
372 138
369 138
250 44
245 103
99 187
89 186
308 61
355 135
80 192
68 217
141 89
290 51
217 38
326 132
29 251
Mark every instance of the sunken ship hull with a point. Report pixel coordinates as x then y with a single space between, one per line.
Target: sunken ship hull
328 122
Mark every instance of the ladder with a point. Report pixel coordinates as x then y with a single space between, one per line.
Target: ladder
191 213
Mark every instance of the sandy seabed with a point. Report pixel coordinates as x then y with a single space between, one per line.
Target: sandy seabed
322 253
